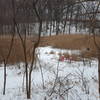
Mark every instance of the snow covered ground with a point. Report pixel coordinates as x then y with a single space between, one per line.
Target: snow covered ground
62 80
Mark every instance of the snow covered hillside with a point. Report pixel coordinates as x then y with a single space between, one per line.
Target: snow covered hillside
61 80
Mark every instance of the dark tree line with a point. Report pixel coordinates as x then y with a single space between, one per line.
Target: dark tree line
57 15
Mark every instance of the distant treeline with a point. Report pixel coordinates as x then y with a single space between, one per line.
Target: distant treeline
56 14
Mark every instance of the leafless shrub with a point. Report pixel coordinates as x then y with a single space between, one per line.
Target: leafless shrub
83 81
61 87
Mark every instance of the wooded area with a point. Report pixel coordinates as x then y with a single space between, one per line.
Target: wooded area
25 23
56 15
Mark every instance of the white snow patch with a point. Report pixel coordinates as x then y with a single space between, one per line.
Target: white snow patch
82 79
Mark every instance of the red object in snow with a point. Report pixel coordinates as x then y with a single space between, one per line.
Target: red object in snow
62 58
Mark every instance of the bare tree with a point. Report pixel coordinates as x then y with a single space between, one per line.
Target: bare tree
92 25
38 12
9 52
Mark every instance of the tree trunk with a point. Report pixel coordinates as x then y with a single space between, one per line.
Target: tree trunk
50 28
4 88
33 59
99 71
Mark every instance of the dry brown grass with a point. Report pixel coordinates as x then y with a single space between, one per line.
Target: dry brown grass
79 42
76 41
71 41
17 54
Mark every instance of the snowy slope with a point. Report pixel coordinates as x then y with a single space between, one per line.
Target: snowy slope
75 81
